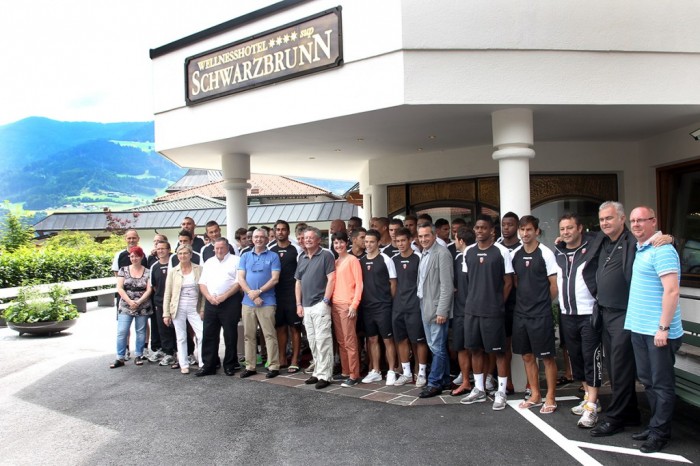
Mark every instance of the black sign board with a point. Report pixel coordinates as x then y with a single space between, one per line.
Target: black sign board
306 46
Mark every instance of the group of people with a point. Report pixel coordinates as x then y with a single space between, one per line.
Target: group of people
410 299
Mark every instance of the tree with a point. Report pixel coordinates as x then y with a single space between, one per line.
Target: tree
14 232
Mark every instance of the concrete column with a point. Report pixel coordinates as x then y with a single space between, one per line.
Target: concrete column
236 172
378 197
513 140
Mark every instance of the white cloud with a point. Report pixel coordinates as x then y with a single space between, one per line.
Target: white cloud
88 60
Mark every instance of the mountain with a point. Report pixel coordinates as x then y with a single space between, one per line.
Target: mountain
51 164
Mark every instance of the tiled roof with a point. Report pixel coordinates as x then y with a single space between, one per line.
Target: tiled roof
187 203
148 219
260 186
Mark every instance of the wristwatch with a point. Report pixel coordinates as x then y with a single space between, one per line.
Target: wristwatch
326 300
664 329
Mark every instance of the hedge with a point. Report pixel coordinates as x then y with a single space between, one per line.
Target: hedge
65 258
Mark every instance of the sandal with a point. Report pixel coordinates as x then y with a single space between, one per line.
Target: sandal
527 404
292 369
548 409
175 365
138 360
563 381
185 370
459 391
116 363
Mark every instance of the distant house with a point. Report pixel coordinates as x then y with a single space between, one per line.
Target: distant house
270 198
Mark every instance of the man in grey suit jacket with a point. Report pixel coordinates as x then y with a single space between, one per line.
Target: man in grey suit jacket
435 290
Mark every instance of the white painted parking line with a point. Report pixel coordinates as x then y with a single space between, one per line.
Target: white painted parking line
633 451
565 444
574 448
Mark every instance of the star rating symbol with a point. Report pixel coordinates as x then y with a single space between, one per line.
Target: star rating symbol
279 41
271 43
286 38
293 35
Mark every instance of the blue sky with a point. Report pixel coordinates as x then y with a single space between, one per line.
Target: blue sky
87 60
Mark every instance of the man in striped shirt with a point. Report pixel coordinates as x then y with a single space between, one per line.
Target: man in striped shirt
654 318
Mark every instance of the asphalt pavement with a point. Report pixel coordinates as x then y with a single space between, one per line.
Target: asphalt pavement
61 404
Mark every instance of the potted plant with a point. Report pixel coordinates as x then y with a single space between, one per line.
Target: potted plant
40 313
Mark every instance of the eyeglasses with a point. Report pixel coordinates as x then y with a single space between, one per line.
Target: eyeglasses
640 220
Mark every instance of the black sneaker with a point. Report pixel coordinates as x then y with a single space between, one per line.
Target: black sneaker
339 378
350 382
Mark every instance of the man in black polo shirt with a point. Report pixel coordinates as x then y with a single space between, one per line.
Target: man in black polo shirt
379 288
533 326
286 318
197 242
184 237
213 231
358 243
391 249
406 317
489 271
616 248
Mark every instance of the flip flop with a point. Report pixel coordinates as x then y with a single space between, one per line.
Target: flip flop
527 404
459 391
548 409
116 363
292 369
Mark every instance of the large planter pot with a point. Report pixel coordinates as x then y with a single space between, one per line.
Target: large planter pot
41 328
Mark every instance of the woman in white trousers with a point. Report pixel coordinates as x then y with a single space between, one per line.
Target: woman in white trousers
182 303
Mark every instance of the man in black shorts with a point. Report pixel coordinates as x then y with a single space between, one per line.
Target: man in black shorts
489 271
406 317
509 239
577 289
533 326
286 318
379 289
463 238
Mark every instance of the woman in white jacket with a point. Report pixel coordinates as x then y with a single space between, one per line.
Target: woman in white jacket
184 303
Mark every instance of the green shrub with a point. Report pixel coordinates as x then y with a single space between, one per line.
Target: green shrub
64 258
33 306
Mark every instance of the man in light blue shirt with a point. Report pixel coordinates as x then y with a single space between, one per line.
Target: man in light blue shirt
258 273
654 318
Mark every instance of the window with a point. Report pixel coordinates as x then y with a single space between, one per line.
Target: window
679 214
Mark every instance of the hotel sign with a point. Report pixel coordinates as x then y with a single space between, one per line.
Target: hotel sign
305 46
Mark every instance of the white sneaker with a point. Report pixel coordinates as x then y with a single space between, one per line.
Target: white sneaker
191 360
167 360
421 381
490 384
390 378
156 356
458 380
579 408
475 396
372 376
588 419
499 401
403 380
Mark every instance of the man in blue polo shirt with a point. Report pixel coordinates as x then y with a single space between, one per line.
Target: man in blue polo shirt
258 273
654 318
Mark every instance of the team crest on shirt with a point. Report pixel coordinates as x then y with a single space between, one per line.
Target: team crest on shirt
404 266
583 251
369 266
527 263
281 254
481 260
